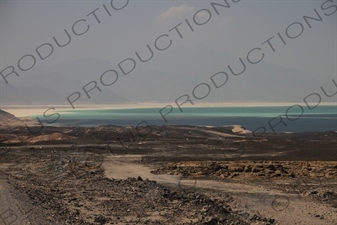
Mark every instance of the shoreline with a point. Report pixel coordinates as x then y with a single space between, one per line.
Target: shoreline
33 110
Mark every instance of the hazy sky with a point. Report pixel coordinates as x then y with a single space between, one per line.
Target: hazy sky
25 25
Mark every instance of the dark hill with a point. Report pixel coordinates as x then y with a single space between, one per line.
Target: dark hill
9 120
6 117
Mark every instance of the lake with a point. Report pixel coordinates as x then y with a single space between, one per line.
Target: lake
296 119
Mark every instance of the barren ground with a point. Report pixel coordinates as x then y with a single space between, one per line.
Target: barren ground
166 175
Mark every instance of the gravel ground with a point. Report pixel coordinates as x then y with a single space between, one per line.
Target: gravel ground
213 176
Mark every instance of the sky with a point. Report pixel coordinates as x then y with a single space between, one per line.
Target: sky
26 25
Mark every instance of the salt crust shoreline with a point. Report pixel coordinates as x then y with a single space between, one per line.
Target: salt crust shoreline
33 110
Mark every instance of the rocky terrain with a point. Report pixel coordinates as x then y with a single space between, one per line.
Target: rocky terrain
166 175
252 170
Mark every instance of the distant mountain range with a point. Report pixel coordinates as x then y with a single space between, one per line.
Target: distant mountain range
164 78
54 84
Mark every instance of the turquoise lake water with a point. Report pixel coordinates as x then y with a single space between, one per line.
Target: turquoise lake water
296 119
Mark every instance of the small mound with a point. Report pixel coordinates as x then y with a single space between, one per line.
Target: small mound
50 137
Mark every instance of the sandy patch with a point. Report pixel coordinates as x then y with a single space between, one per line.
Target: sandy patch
240 130
122 167
30 111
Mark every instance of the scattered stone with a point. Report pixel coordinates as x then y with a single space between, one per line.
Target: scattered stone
101 219
211 221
